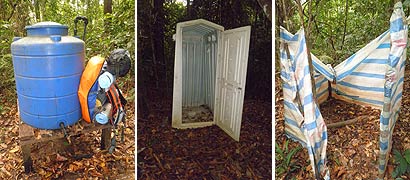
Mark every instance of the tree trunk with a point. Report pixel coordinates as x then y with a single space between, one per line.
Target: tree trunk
266 6
220 11
107 10
2 13
345 28
188 9
143 109
37 10
283 15
158 40
14 5
306 30
107 6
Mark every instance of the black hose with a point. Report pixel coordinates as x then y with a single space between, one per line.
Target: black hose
85 20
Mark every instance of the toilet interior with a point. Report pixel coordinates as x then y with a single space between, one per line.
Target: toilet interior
199 54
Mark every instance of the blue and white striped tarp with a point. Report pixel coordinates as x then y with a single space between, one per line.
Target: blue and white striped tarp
393 86
360 78
303 121
373 76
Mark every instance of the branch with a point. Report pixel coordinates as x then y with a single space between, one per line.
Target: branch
12 12
316 11
332 43
344 31
285 15
307 44
317 27
310 18
346 122
266 7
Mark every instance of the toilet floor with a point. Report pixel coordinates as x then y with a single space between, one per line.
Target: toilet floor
200 113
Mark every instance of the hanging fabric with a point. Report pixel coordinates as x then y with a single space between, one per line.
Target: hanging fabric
373 76
393 86
303 121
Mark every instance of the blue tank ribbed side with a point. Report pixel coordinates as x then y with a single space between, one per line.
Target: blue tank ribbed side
47 67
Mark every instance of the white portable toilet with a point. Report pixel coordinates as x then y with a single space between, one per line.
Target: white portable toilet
209 75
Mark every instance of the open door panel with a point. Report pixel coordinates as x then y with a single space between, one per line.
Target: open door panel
231 79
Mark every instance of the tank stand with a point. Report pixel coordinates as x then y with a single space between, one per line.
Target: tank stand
27 137
26 133
105 138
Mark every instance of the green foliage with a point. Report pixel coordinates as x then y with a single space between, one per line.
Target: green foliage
101 38
365 21
338 33
104 32
13 19
6 65
174 13
227 13
1 109
403 162
406 3
285 164
326 59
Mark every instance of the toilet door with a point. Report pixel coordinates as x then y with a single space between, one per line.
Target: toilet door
231 79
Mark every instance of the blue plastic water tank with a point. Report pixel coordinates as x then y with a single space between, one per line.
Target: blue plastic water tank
47 67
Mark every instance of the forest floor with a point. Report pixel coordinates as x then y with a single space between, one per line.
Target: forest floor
82 159
352 151
204 153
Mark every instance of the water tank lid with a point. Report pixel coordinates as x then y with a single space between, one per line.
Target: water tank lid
47 28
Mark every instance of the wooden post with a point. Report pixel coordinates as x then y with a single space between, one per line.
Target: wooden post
25 133
285 15
307 44
318 176
105 138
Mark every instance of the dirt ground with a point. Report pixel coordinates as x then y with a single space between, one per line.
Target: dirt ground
352 150
197 114
204 153
82 159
